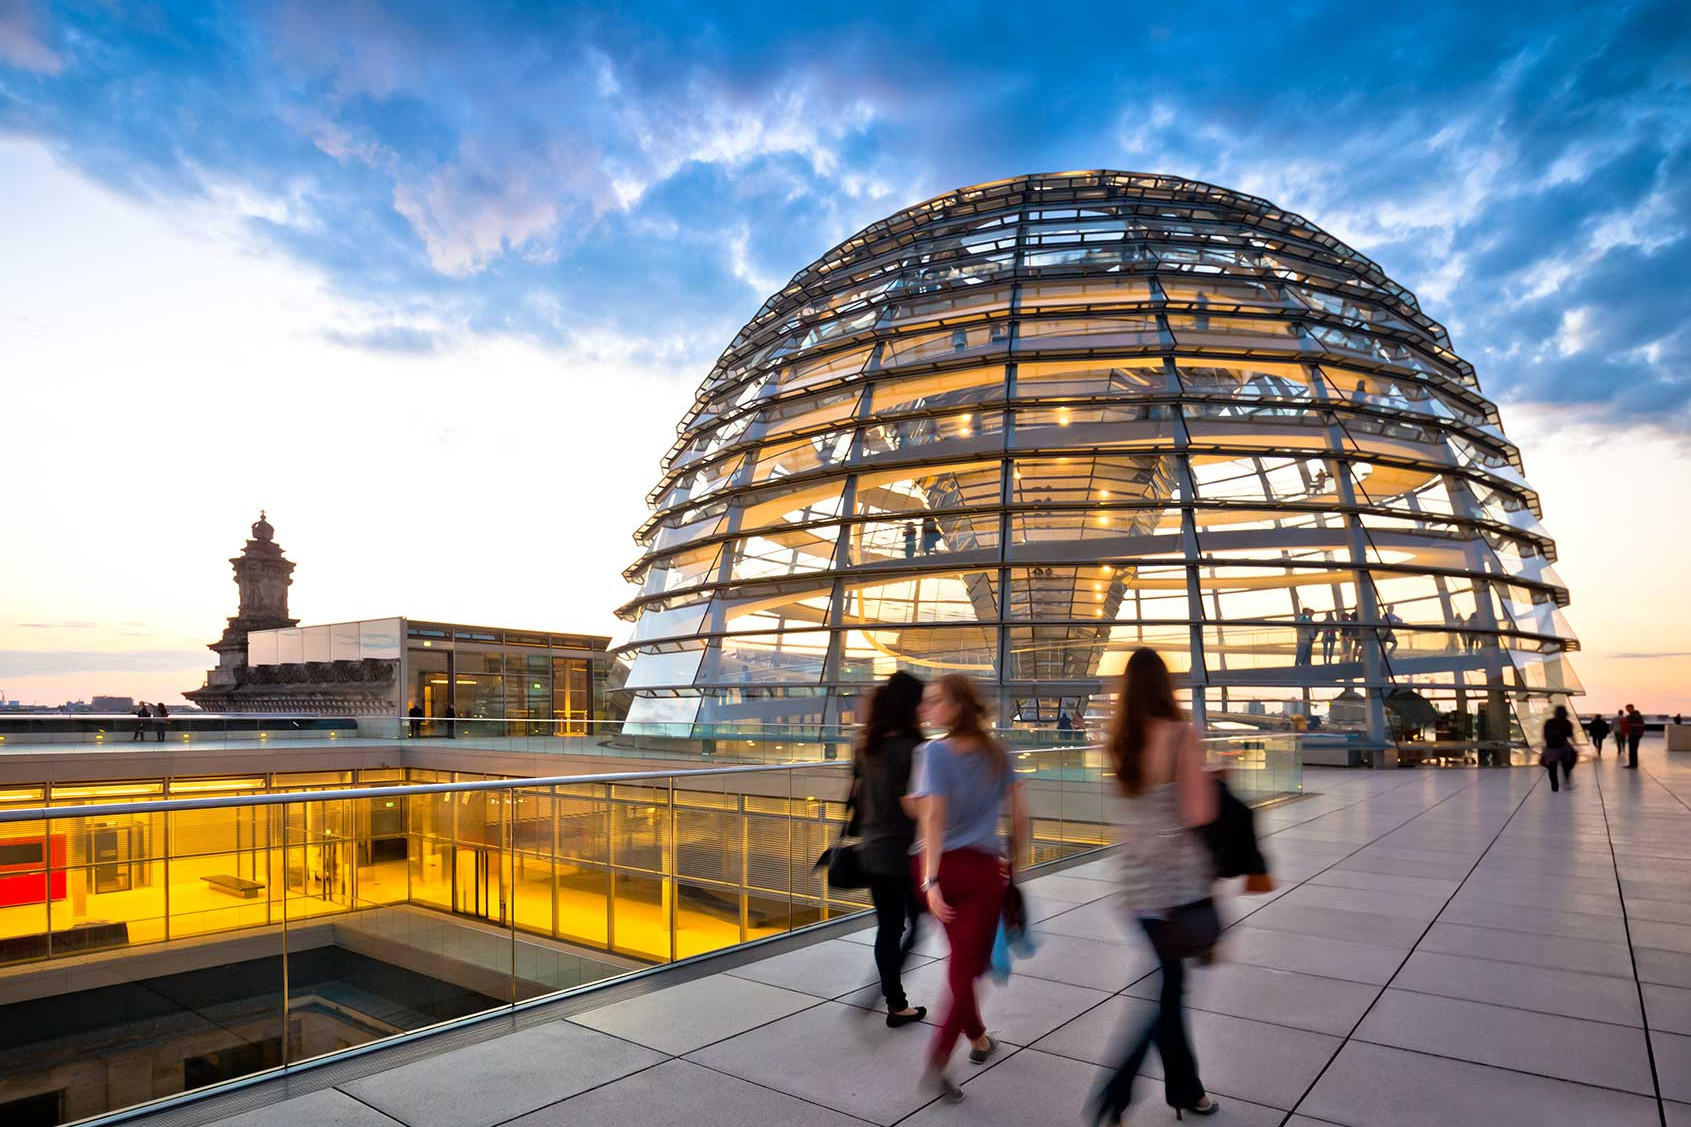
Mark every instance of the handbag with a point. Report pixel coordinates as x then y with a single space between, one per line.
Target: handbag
1189 932
844 860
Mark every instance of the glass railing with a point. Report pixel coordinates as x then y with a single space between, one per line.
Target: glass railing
723 743
176 944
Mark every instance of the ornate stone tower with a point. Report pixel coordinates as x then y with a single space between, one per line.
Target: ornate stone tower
263 575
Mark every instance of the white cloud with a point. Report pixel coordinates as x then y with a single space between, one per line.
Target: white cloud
1576 332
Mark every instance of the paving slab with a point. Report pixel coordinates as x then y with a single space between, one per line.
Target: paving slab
1339 923
834 1055
1673 1064
1595 997
1564 1048
679 1019
1539 921
501 1078
1020 1011
1669 1007
1376 1086
824 970
1311 954
1588 955
679 1092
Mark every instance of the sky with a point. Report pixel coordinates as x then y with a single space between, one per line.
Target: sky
432 283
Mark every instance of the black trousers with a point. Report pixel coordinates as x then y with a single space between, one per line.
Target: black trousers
1167 1030
1597 742
1567 772
896 910
1632 739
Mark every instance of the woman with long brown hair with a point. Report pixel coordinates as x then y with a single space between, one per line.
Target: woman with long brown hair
1165 794
966 782
886 825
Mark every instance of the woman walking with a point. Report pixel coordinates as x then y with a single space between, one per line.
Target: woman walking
1559 748
886 822
1165 794
966 781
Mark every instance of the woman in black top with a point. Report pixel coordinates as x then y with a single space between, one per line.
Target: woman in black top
886 824
1559 747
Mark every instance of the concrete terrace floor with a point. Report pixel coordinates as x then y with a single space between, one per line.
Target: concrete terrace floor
1448 947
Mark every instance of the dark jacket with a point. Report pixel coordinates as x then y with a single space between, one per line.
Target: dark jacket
1558 734
887 832
1232 837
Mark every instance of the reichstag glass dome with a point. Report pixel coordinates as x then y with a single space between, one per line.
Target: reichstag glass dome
1022 428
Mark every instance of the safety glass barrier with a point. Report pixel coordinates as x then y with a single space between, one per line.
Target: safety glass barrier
173 944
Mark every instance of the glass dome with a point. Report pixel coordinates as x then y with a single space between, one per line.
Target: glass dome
1025 427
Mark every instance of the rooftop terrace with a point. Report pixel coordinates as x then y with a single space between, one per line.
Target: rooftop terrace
1446 947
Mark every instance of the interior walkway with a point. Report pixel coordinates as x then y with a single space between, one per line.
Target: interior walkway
1448 947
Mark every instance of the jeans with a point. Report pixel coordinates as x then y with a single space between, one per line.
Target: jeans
973 884
1567 772
896 912
1167 1030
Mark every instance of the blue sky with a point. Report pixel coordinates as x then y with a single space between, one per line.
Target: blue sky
469 261
651 172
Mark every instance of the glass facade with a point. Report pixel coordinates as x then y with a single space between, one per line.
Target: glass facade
1023 428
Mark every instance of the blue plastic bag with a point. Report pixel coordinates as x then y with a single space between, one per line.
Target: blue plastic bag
1005 948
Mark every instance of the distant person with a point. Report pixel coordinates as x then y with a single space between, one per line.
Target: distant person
886 815
1388 636
1064 724
930 536
451 723
1164 795
966 781
1620 737
1634 733
1676 720
161 719
1599 731
1352 636
1306 636
1329 637
416 715
142 715
1559 748
909 540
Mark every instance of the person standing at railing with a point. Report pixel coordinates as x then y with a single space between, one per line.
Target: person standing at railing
142 715
886 828
1165 796
1329 637
966 781
161 719
1633 732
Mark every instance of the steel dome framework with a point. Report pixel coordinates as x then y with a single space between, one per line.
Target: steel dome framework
1025 427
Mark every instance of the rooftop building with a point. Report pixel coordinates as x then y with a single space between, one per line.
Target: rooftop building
1026 427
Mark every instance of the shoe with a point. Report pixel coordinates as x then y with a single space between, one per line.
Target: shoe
1205 1106
978 1056
937 1082
1105 1114
896 1020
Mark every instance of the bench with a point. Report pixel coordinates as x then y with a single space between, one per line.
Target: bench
235 886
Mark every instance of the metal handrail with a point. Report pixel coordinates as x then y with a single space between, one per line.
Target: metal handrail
273 798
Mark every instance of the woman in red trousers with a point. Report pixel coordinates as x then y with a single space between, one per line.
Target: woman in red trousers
966 782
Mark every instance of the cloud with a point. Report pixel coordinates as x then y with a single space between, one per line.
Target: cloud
47 663
59 625
21 44
569 172
1651 656
404 339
